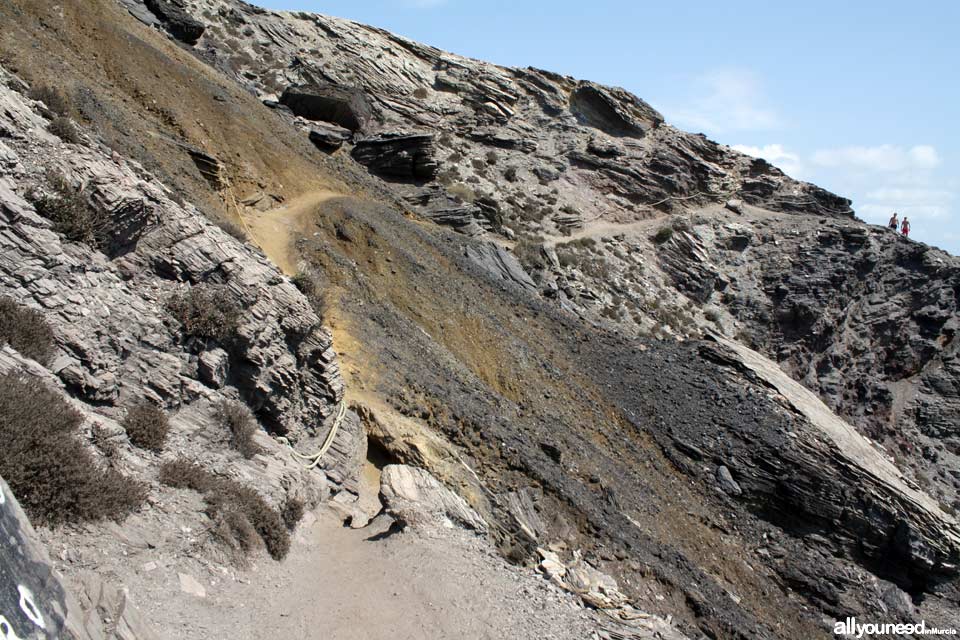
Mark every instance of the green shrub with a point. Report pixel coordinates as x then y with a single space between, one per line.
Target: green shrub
664 234
64 128
206 312
235 508
26 331
72 216
147 426
55 100
238 419
52 474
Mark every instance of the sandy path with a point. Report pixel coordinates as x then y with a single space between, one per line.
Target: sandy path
338 584
276 231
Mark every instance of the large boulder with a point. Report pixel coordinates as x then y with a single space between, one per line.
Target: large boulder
341 105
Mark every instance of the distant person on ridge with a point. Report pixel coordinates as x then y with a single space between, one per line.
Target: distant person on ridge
905 227
894 223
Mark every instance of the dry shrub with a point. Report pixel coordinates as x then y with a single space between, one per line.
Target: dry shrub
64 128
26 330
147 426
71 214
242 425
234 230
205 312
292 512
55 100
235 508
49 470
310 287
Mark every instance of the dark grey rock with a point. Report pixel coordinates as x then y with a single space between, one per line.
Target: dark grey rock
409 156
345 106
177 19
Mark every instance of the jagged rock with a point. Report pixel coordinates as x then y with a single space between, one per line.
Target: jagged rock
213 366
614 111
191 586
35 603
177 19
329 137
727 483
500 263
398 155
416 498
345 106
808 474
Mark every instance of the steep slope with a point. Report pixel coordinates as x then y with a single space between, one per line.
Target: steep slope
714 489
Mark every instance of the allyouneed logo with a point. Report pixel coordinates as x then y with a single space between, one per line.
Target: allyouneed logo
850 627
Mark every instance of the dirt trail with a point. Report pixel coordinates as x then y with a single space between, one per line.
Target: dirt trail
339 584
275 231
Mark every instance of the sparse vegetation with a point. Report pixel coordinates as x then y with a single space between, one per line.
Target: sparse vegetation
238 419
72 216
233 229
529 254
462 192
663 235
492 157
310 287
238 511
292 513
25 330
147 426
52 474
421 93
205 312
55 100
64 128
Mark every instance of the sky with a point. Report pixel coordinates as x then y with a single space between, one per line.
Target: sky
860 97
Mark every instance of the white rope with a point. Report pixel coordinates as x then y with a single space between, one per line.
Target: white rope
314 459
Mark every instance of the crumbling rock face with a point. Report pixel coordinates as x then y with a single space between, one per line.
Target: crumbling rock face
399 155
611 154
117 341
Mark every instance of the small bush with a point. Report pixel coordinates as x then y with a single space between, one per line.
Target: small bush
233 229
72 216
205 312
52 474
529 254
147 426
664 234
492 157
420 93
64 128
462 192
26 331
235 508
292 513
242 425
309 286
52 97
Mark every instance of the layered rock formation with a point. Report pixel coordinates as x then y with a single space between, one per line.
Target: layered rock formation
513 358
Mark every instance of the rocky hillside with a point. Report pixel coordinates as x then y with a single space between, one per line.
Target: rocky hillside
696 393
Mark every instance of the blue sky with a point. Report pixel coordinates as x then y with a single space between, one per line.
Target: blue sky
859 97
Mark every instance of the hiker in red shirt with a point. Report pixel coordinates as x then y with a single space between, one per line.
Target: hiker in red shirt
905 227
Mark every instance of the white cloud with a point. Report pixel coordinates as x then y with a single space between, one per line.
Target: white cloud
726 100
912 202
884 157
788 162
